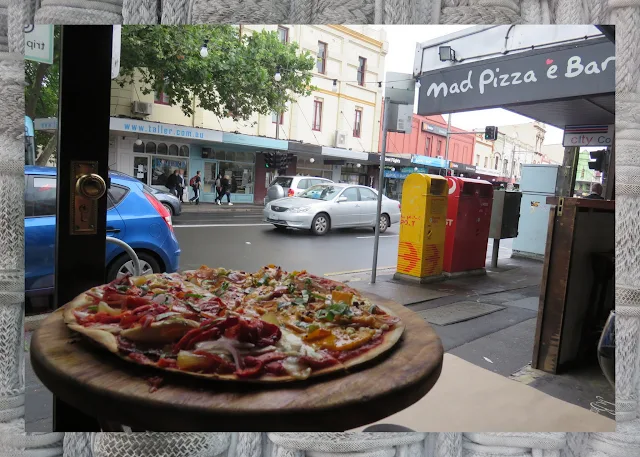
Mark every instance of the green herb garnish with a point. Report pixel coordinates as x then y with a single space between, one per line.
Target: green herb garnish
191 295
291 288
92 308
223 288
313 328
123 288
336 309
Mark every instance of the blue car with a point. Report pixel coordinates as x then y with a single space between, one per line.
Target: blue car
134 215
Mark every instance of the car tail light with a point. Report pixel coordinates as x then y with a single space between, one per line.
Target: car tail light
162 211
291 193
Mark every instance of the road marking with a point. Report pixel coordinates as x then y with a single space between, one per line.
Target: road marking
373 236
222 225
356 271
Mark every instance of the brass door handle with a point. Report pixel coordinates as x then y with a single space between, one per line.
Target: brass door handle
91 186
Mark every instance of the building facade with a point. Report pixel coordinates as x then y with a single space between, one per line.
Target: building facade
327 133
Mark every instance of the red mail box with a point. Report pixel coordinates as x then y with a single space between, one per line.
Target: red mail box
468 221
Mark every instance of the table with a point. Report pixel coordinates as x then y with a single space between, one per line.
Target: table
114 391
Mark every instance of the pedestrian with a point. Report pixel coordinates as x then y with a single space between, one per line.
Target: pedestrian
181 184
219 189
195 183
596 192
226 189
172 182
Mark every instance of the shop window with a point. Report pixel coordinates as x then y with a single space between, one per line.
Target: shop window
138 147
184 151
162 149
241 176
173 150
230 156
250 157
220 155
150 148
321 63
362 69
163 168
317 115
283 34
277 119
357 127
240 157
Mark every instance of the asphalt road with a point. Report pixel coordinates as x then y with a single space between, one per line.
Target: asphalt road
242 241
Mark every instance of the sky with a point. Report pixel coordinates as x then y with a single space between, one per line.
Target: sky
402 46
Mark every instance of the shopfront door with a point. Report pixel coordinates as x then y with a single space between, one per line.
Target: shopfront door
141 168
209 178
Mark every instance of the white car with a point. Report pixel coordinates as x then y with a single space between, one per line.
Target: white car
323 207
291 186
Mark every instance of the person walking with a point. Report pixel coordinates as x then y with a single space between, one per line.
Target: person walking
172 183
181 184
596 192
219 189
226 189
195 183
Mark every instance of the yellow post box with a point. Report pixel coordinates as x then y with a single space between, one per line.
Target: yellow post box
422 227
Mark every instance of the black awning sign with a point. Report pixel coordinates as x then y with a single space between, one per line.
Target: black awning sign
545 74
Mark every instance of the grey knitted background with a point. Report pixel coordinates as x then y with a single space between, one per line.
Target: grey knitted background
625 14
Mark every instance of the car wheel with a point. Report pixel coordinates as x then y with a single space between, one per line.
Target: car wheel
384 223
320 224
169 208
124 265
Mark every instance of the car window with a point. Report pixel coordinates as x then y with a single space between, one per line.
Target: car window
282 180
304 184
351 193
116 195
367 195
42 194
322 192
315 182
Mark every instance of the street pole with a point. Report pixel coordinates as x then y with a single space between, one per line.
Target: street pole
385 122
446 145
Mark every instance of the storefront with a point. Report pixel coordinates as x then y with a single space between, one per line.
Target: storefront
311 166
432 165
355 173
462 169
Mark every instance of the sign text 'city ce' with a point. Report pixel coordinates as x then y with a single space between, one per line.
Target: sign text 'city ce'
578 70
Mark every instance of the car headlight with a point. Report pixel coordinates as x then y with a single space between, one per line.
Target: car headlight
302 209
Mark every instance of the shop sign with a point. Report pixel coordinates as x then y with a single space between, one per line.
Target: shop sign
38 43
49 123
588 135
462 167
429 161
157 128
576 70
426 127
395 174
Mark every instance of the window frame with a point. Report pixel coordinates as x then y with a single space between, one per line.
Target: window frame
286 33
362 70
281 118
323 58
159 97
342 194
317 122
357 125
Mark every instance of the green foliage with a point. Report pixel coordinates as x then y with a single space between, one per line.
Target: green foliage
236 78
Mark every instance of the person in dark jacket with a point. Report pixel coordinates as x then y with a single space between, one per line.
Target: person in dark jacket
172 183
226 189
596 192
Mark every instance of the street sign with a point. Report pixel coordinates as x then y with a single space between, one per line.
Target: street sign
588 135
38 43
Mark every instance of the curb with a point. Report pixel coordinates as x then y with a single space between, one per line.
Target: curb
31 323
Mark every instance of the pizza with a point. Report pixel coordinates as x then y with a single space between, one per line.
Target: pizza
267 326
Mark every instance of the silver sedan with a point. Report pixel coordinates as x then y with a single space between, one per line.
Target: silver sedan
326 206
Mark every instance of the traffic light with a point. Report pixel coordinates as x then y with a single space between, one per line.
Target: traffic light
270 159
597 160
282 161
491 133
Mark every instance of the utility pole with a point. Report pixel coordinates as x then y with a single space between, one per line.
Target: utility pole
376 240
446 145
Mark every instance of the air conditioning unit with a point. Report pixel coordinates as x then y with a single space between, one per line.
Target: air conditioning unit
341 139
141 108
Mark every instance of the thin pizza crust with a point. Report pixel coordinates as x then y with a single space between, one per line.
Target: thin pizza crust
109 341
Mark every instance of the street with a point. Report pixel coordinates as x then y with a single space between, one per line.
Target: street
240 240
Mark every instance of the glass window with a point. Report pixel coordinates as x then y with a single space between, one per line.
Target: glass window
173 150
282 181
230 156
219 155
162 169
367 195
240 175
250 157
44 195
116 195
138 148
184 151
317 115
322 192
283 34
358 123
362 68
351 193
162 149
427 143
303 184
150 147
240 157
277 119
321 64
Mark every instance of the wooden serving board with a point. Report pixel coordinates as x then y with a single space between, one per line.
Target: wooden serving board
101 385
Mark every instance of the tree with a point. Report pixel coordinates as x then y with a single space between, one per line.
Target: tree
42 86
235 79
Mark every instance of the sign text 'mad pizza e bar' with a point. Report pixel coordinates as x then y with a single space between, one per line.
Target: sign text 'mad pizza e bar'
561 72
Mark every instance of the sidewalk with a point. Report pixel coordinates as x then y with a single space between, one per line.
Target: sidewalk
207 208
490 321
